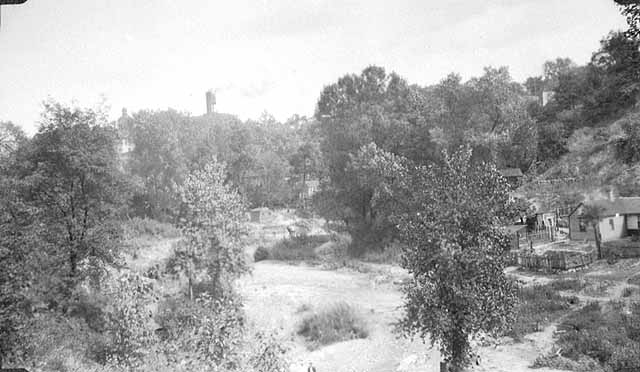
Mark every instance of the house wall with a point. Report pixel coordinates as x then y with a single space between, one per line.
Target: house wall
574 228
612 228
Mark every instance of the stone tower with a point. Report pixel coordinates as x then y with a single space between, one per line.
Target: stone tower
211 102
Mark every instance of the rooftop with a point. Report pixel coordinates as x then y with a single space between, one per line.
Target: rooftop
622 205
511 172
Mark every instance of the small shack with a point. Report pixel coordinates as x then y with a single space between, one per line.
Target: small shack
259 215
514 176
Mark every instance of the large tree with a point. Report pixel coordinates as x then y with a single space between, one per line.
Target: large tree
452 231
210 219
70 170
372 107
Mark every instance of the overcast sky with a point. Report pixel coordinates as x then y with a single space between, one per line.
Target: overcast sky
264 55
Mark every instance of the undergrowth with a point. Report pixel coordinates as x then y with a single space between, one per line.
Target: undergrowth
334 323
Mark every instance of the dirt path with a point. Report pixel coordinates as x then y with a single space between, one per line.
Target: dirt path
275 291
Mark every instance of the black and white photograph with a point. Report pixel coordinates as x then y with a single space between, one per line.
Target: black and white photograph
319 186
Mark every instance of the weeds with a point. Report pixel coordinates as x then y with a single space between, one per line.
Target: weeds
334 323
298 248
539 305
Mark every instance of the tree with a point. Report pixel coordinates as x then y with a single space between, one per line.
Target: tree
592 215
628 147
72 180
553 69
454 246
372 107
631 10
11 136
210 220
158 160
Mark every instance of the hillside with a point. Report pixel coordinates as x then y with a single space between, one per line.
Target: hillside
590 168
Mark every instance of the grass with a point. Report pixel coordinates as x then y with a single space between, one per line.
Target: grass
300 248
566 284
334 323
608 334
391 254
539 306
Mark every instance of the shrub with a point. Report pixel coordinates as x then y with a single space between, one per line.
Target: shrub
334 323
606 336
297 248
260 254
554 361
207 328
332 252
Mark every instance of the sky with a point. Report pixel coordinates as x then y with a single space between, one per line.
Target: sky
270 56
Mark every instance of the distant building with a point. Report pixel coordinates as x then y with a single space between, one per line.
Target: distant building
124 125
211 102
513 175
619 217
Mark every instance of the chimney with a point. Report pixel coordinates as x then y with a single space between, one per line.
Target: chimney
211 102
612 194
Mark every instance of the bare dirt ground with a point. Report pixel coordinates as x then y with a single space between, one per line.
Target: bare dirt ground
275 292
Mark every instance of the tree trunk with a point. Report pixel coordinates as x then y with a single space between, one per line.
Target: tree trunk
596 231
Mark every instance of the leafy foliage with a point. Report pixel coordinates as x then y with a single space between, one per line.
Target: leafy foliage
454 248
210 219
333 323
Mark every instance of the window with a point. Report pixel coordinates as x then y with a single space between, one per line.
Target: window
611 224
582 225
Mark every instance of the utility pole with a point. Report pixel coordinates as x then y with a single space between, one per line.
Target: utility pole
9 2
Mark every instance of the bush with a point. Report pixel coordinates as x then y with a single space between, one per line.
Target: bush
334 251
609 336
554 361
629 291
299 248
334 323
260 254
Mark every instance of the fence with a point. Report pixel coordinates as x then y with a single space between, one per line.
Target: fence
551 260
536 237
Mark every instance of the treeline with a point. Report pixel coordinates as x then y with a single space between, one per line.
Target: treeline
586 96
268 161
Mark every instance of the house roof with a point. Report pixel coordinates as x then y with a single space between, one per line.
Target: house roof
622 205
511 172
511 229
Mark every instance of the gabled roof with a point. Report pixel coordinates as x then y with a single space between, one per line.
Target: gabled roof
511 229
622 205
511 172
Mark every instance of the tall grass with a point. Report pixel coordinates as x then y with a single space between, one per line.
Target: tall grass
538 306
334 323
300 248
